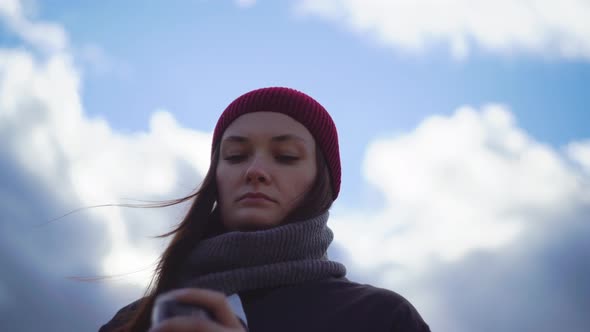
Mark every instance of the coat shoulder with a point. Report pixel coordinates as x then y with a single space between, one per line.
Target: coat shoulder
376 302
121 317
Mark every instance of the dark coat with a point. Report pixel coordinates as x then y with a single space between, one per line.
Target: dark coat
334 304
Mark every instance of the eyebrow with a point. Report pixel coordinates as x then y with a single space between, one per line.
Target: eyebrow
280 138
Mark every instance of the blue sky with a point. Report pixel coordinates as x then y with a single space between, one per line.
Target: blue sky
208 52
463 133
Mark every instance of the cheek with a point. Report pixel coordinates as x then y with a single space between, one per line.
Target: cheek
229 180
223 182
300 183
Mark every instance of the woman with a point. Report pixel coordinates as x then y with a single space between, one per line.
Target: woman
258 228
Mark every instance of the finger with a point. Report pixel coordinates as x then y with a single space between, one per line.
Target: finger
214 301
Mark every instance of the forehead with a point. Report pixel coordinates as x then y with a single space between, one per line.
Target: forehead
267 124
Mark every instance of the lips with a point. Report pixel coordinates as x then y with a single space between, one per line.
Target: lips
255 196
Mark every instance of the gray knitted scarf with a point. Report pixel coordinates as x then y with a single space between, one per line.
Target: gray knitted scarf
240 261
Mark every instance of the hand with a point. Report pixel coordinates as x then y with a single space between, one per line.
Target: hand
215 302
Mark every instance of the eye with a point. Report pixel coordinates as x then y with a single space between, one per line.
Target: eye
236 158
286 159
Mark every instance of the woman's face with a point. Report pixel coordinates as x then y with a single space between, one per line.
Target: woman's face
266 165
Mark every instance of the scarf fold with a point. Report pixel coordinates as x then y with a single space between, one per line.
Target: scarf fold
289 254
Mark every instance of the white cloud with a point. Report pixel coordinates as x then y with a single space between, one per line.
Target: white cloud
580 152
51 137
542 27
11 8
455 185
45 36
83 160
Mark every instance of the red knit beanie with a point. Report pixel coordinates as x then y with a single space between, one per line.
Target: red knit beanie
298 106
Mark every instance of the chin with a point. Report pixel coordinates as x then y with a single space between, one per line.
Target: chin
253 222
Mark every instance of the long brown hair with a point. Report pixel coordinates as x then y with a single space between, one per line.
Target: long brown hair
202 221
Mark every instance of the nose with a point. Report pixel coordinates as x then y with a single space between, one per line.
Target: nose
257 172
